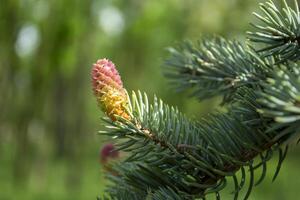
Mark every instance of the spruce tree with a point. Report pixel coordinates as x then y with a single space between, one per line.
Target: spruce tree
173 157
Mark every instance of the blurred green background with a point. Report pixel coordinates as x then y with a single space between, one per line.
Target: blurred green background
49 146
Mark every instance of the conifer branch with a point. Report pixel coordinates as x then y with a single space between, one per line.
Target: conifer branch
174 157
280 32
194 159
280 101
214 67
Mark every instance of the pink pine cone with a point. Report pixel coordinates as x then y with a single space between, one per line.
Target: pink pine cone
108 89
104 73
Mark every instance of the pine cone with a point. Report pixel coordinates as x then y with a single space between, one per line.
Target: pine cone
108 89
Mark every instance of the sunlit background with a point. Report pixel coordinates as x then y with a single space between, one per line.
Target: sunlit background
49 147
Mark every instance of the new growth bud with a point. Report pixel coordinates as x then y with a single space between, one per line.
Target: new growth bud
108 89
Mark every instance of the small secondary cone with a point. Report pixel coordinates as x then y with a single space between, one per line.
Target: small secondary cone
107 155
108 151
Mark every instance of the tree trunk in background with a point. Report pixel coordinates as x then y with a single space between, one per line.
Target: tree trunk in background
14 109
60 117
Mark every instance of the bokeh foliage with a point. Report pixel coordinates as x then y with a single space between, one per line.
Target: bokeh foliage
49 119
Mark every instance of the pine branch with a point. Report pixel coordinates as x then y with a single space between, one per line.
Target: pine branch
164 194
124 190
280 100
214 67
280 32
174 157
192 158
131 185
274 104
